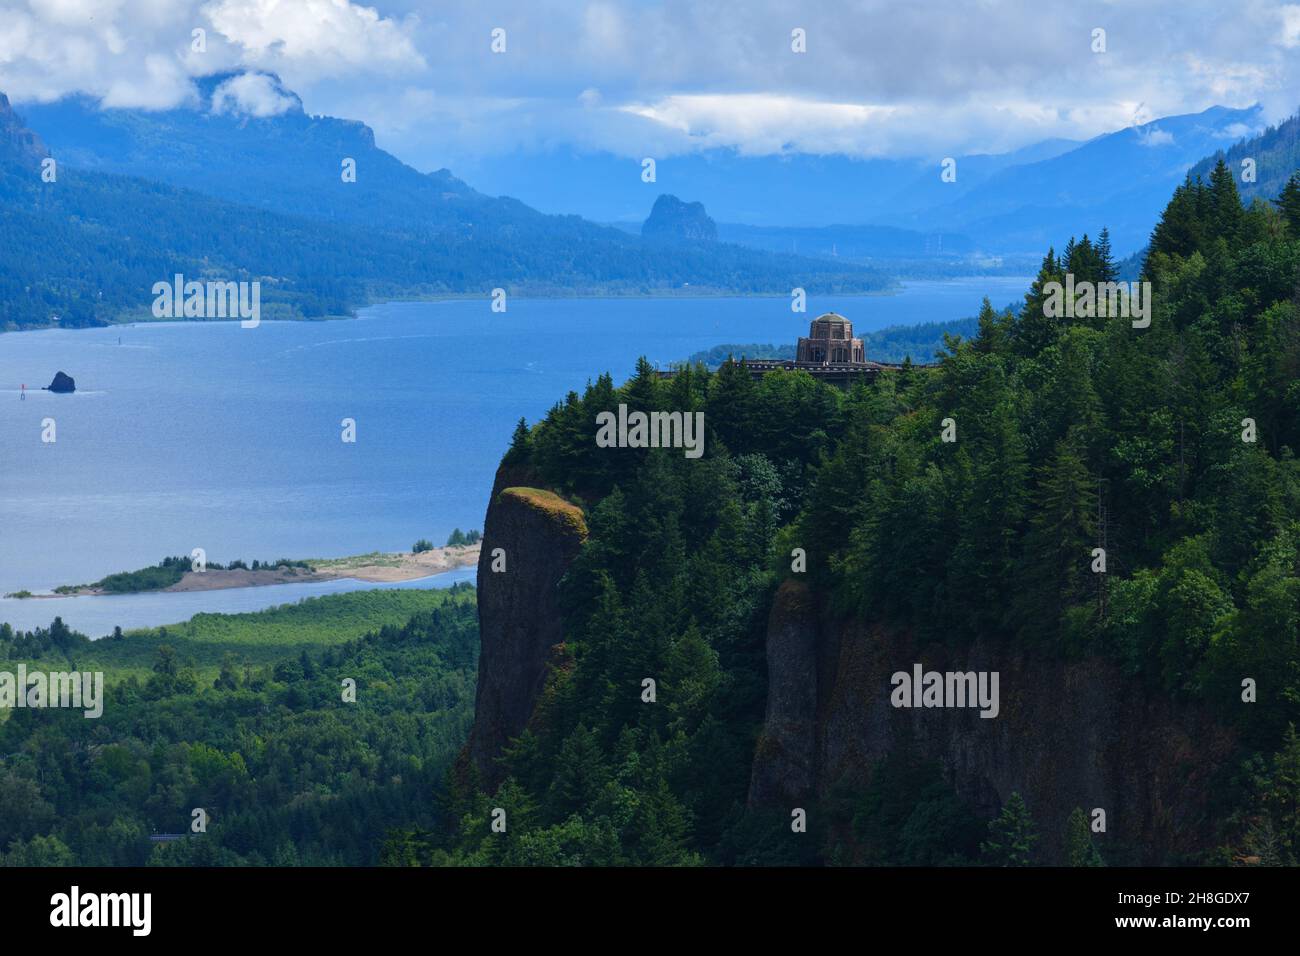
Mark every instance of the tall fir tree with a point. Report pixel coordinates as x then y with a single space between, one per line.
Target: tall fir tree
1227 214
1106 269
1288 203
1079 848
1011 835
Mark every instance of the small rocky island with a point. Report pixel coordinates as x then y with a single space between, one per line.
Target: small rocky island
62 383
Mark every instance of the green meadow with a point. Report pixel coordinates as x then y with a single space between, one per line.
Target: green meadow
254 639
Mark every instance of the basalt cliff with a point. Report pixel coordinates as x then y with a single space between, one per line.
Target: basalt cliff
1069 733
530 537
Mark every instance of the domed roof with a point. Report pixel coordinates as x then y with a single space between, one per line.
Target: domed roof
830 325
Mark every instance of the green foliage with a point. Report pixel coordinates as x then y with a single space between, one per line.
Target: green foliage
908 816
170 571
206 641
1011 835
289 772
461 539
162 575
1076 438
1079 848
423 545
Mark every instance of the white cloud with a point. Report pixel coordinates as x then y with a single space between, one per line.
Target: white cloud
253 93
1153 136
763 123
138 52
313 38
880 77
1290 17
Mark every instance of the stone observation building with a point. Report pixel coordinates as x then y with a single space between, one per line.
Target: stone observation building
830 342
830 354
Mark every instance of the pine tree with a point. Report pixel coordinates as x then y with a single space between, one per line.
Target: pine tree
1227 214
642 392
1180 230
1062 532
1011 835
990 523
1282 796
1081 260
991 329
1079 848
1067 256
1289 204
1036 331
580 775
731 405
1106 270
520 446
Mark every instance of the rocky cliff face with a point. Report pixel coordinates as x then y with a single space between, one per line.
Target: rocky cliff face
539 535
18 144
1069 733
672 220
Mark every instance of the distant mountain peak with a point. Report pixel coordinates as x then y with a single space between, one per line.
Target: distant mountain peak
675 220
251 93
17 142
450 184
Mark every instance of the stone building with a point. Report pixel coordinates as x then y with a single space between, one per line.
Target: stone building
830 341
829 354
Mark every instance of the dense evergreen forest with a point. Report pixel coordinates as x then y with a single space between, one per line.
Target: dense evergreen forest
1072 434
243 716
1171 446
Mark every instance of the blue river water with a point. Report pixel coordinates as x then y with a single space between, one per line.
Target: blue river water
184 435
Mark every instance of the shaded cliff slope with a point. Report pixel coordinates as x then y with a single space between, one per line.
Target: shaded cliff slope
530 537
1068 734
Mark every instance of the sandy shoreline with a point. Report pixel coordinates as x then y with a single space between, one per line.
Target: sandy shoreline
377 566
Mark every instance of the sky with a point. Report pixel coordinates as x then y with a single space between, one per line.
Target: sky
638 78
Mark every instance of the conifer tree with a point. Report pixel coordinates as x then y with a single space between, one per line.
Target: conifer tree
1106 270
731 405
1179 231
642 392
991 331
1011 836
1035 330
1056 563
1225 203
1079 848
1289 204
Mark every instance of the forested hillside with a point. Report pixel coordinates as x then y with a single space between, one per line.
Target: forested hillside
125 210
1275 154
1170 446
243 716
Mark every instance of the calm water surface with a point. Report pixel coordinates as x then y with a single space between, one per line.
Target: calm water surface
185 435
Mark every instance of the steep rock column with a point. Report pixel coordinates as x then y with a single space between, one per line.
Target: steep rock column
785 770
538 535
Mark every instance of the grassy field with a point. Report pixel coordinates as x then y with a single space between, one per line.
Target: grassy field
257 638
